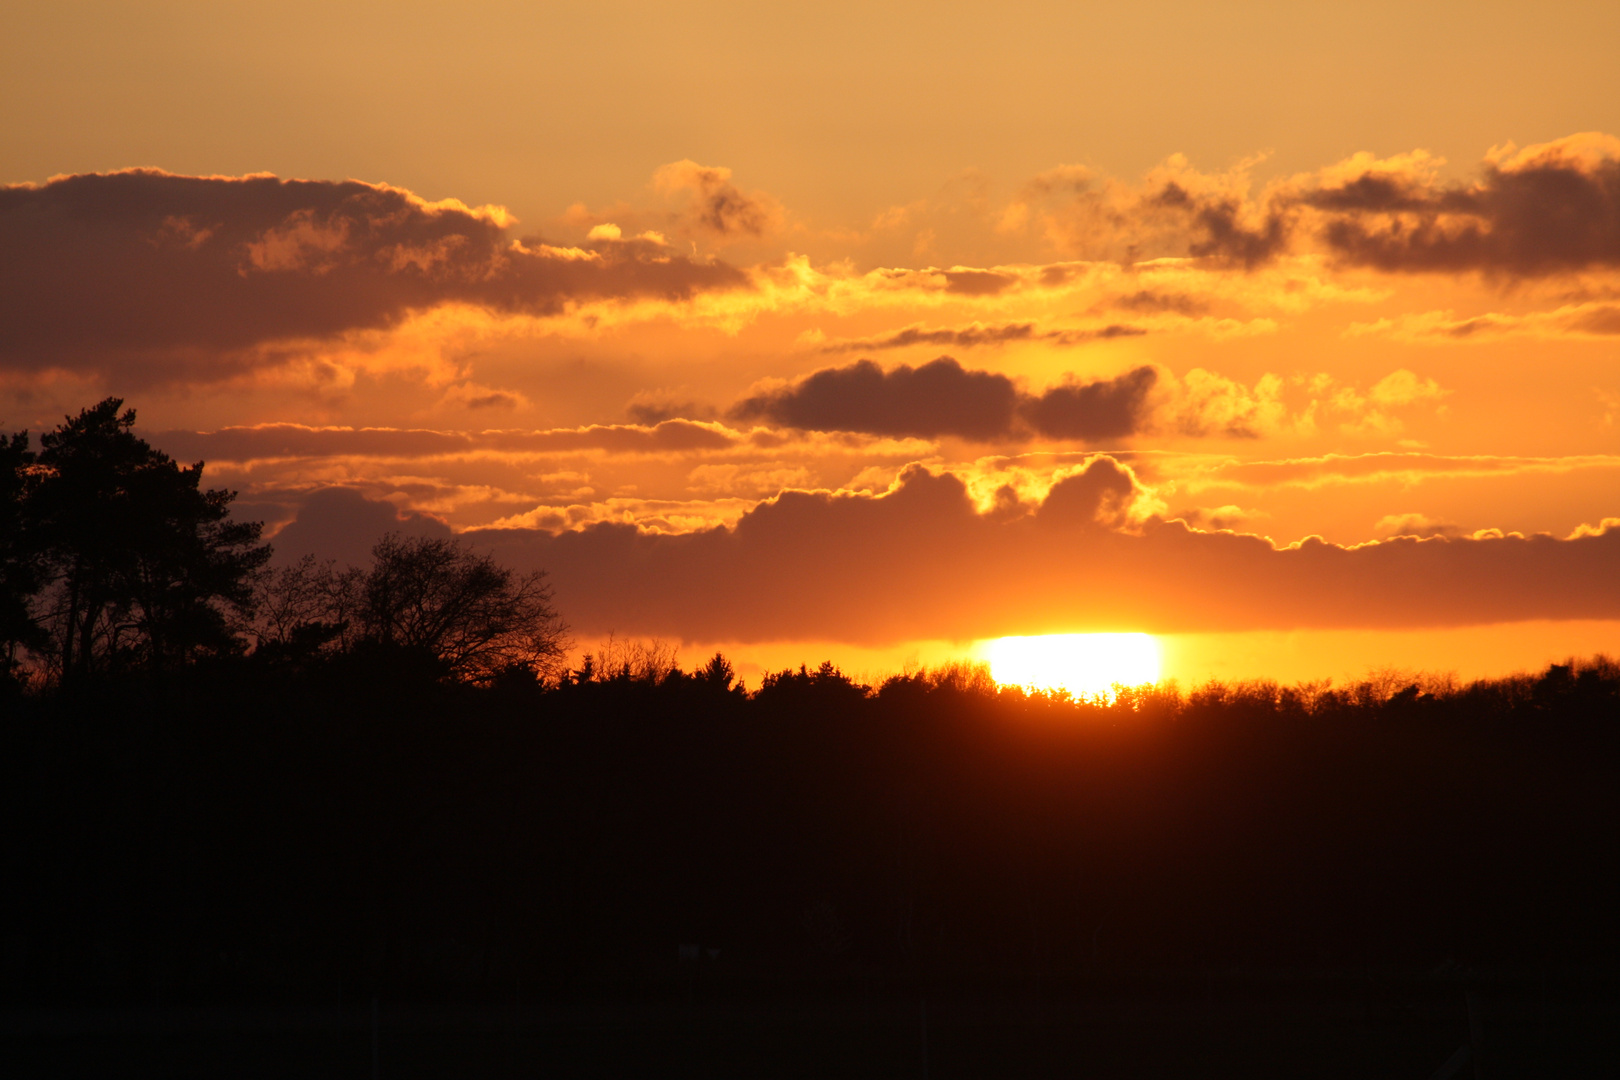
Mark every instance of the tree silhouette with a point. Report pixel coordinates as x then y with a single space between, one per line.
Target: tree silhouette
147 565
307 608
21 573
473 615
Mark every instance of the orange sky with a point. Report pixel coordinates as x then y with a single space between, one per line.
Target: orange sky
866 331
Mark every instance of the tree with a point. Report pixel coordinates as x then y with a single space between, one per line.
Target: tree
307 608
473 615
21 571
147 565
825 687
628 660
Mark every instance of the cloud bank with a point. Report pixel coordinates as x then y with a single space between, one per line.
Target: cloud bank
153 275
921 562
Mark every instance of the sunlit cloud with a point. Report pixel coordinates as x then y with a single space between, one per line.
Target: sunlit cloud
1594 321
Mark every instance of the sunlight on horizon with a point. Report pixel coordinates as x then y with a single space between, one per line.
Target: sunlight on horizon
1086 665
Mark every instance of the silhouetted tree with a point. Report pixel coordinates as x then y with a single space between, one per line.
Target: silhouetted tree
307 608
21 572
717 673
628 660
825 687
475 616
146 564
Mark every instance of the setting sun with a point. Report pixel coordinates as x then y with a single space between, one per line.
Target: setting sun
1084 664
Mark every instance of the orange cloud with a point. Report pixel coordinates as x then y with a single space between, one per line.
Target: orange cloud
1175 211
1380 467
718 208
271 441
1593 319
976 335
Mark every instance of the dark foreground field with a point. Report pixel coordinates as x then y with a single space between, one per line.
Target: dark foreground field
1187 1025
217 876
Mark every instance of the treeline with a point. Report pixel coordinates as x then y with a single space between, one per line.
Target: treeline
361 825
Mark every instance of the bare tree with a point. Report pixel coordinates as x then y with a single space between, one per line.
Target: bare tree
474 615
308 606
629 660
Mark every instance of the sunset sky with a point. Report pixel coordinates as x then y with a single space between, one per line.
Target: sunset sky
865 332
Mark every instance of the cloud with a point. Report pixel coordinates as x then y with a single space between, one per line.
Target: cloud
1104 409
978 335
343 524
718 208
1414 524
1589 320
967 282
1328 470
159 276
260 442
1550 208
656 406
1147 300
1174 211
1218 227
938 398
1226 517
942 398
920 562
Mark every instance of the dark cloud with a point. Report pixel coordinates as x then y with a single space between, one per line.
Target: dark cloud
187 274
1219 229
1549 211
965 337
943 398
1145 300
651 407
977 335
718 208
341 523
1106 409
1168 216
1105 333
977 282
921 563
938 398
1600 319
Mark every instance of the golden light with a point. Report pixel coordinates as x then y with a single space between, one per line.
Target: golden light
1086 665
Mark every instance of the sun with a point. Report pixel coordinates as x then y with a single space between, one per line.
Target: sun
1086 665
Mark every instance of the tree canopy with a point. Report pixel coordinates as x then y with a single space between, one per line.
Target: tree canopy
460 610
148 565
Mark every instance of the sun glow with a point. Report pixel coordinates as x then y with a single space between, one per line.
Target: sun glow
1086 665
